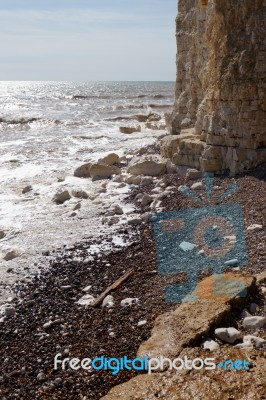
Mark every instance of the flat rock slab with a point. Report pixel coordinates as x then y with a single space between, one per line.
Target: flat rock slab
176 331
182 327
201 384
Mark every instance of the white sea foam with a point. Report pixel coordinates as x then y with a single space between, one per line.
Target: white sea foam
68 130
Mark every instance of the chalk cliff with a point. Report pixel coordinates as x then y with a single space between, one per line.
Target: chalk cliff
220 84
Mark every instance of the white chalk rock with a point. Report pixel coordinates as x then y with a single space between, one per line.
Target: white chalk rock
211 345
197 186
244 346
86 300
254 322
228 335
142 323
129 301
87 288
254 340
255 227
108 301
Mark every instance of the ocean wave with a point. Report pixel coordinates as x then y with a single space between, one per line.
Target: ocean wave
120 118
159 96
18 121
160 105
22 121
131 107
85 96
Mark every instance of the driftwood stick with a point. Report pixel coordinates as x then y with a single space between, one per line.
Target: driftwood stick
115 285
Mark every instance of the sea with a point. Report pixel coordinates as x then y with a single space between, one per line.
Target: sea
47 129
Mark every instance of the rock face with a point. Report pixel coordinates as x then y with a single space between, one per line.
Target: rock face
220 84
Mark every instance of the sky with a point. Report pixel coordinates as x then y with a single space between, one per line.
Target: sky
88 40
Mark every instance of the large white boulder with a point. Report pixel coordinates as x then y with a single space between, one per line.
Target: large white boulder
102 171
83 171
149 166
110 159
254 322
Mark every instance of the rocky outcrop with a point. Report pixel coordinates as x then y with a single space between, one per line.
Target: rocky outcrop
220 84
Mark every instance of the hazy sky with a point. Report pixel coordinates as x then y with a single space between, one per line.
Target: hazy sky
84 40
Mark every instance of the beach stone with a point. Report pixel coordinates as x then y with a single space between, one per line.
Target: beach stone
142 323
102 171
27 189
142 117
108 301
130 129
253 308
83 171
197 186
118 179
129 301
112 221
146 217
11 254
255 228
245 314
246 346
146 181
146 200
211 345
135 221
254 322
10 312
86 300
147 165
193 174
133 180
228 335
61 196
155 127
87 288
154 117
41 377
80 194
77 207
170 167
110 159
254 340
117 209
